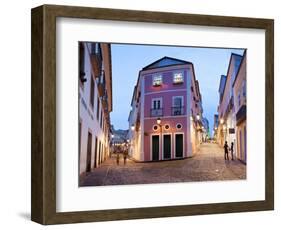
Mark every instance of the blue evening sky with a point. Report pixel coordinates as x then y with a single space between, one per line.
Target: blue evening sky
128 60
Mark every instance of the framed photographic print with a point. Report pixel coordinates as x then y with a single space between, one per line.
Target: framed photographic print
139 114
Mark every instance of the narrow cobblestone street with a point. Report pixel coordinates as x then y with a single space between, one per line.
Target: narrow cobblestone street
207 165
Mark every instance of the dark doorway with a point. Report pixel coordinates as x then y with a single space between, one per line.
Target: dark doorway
155 148
179 145
167 146
89 152
99 152
96 151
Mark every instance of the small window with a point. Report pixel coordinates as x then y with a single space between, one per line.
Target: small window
156 103
82 63
98 108
155 127
244 88
239 99
179 126
157 80
101 119
167 127
178 101
178 78
92 92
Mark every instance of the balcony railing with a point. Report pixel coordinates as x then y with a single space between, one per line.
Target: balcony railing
241 114
176 111
156 112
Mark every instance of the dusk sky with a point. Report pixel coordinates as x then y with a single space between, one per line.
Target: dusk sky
128 60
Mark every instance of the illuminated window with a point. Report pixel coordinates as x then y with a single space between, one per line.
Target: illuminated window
157 80
178 78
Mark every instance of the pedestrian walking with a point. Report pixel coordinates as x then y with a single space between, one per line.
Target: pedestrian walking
226 151
125 157
117 158
231 150
125 154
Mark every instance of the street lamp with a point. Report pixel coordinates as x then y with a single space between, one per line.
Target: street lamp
221 121
158 121
132 127
198 117
112 135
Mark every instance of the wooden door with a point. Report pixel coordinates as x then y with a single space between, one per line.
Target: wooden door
179 145
155 147
167 146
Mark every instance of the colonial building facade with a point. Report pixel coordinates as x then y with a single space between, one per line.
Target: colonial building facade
240 107
95 104
232 106
165 121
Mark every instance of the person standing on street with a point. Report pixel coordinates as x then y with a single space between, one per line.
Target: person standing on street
231 150
125 157
226 151
125 154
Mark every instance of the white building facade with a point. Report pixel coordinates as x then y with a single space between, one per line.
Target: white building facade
227 123
95 104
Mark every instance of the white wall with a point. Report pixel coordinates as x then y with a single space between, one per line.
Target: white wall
90 124
15 114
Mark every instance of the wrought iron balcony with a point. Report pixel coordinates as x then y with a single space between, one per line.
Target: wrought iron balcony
156 112
241 114
176 111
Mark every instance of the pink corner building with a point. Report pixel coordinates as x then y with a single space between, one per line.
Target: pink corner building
165 121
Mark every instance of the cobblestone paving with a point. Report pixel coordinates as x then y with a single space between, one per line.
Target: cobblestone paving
207 165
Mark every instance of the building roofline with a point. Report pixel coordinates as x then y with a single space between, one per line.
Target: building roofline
175 59
228 68
243 58
222 76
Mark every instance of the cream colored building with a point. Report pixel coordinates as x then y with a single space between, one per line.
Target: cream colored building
226 111
240 109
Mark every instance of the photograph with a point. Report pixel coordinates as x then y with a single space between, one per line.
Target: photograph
139 114
160 114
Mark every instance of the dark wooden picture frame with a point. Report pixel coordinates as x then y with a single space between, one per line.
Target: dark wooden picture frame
43 197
